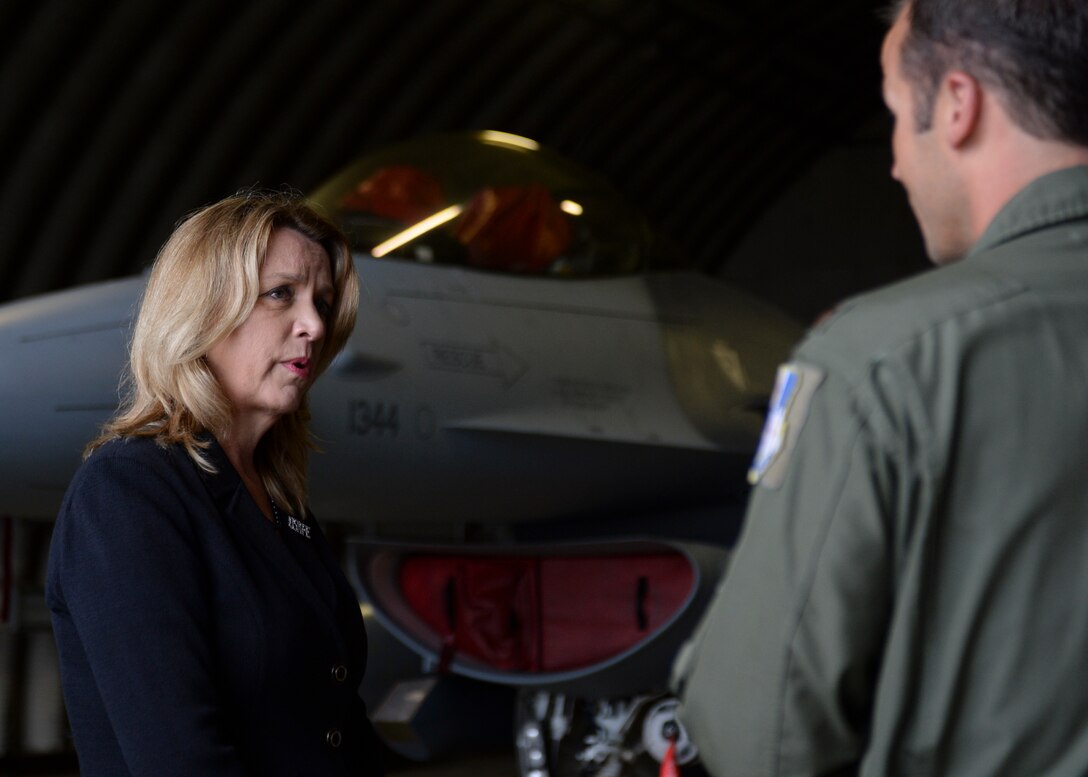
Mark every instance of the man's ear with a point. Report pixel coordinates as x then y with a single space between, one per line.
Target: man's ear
962 105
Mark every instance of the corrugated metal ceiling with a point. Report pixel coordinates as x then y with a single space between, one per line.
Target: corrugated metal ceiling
117 118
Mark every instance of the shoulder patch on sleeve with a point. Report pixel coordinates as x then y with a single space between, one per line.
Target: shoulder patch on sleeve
794 387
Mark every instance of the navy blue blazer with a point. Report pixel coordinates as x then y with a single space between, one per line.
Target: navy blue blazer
194 637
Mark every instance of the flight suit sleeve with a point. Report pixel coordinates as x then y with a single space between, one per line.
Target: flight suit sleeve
129 592
780 675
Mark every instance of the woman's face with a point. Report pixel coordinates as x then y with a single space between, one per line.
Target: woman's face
266 365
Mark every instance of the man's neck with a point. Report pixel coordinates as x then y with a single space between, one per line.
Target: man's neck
1004 172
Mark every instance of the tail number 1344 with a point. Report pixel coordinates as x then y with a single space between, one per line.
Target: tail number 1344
366 417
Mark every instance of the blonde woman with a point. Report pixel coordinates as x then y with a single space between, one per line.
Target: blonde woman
203 625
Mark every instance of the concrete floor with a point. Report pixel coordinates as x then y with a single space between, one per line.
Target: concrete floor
484 765
500 764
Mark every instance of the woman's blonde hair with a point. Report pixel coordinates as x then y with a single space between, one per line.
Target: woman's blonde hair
203 285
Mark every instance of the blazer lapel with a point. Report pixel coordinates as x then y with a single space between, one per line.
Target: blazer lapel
238 509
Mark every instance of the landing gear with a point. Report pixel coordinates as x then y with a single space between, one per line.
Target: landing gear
561 736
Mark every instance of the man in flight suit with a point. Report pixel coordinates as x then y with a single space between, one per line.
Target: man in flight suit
910 593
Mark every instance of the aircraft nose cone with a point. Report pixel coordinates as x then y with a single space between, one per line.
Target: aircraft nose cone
62 357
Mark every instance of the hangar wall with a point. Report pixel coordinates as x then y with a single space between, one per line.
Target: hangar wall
843 227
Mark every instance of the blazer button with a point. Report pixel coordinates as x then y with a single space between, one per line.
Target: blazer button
333 737
339 673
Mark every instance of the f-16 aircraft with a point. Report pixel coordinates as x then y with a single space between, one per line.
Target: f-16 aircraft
535 441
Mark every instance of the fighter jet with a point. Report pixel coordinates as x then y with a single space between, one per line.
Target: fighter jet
535 440
479 388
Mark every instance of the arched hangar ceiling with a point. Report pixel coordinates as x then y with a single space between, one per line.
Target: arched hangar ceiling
116 118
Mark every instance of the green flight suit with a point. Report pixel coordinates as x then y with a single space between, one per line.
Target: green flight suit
910 592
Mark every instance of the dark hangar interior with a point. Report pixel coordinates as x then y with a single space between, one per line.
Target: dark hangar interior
752 135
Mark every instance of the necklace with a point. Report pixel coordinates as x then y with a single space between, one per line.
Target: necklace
277 519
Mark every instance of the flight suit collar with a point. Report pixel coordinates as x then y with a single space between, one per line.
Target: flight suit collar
1046 201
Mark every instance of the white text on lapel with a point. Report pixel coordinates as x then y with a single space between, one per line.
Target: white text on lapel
296 525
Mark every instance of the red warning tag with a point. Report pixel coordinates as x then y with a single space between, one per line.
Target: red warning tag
668 763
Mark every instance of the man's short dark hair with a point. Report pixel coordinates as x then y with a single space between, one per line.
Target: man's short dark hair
1034 53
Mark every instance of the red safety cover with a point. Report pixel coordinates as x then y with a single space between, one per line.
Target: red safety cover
548 614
